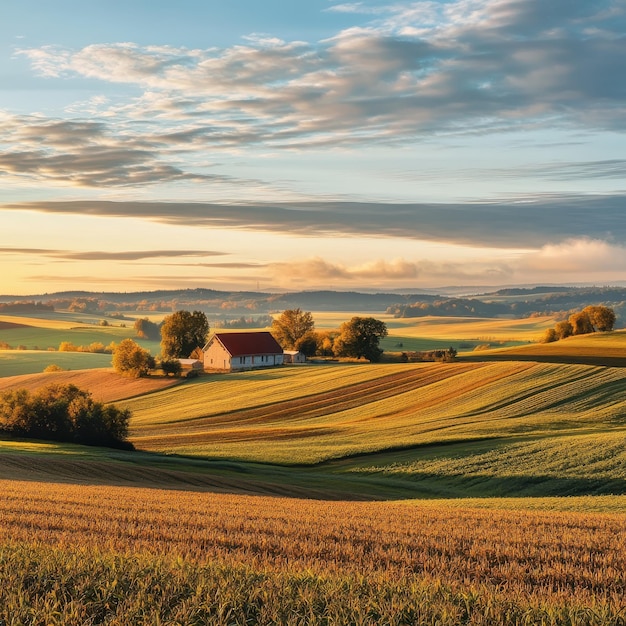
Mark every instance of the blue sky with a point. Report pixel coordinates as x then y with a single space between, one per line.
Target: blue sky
360 145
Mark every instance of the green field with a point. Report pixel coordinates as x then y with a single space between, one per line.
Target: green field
17 362
407 430
39 335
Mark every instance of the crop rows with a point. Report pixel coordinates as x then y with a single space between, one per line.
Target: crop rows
177 552
348 410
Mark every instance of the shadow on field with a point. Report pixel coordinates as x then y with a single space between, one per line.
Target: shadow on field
483 486
567 359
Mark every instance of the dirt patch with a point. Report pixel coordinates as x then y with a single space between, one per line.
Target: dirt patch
104 384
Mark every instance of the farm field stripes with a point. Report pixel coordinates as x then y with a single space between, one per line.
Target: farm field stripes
219 393
401 407
534 563
327 402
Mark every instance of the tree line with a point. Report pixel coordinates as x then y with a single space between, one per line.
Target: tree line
590 320
358 338
184 332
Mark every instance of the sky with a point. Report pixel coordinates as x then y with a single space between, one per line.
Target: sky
281 145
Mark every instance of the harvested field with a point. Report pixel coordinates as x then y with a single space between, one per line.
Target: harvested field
104 385
139 556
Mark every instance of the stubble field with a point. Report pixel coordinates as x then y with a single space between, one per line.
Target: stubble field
135 556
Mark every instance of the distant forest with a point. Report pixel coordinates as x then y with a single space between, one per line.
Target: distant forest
250 309
518 303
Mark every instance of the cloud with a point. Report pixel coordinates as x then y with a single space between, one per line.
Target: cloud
86 154
317 272
132 255
417 69
577 257
519 223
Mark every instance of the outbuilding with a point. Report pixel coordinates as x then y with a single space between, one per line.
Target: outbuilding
294 356
241 351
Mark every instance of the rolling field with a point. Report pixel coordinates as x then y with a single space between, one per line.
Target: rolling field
496 488
432 332
346 411
606 349
105 385
23 362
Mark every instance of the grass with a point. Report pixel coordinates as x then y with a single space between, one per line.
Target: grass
42 332
18 362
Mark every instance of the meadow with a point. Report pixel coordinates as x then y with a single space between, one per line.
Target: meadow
38 337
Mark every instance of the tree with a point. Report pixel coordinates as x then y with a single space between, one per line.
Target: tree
63 413
130 359
581 324
146 329
563 330
182 332
602 318
550 336
171 366
307 344
360 338
291 326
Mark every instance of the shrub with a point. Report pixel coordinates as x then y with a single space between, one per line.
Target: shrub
63 413
53 368
171 366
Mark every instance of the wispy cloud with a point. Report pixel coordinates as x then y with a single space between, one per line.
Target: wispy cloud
127 255
524 222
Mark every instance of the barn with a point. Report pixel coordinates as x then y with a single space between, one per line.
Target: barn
242 351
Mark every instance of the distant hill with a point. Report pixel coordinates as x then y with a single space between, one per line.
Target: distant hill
213 301
514 302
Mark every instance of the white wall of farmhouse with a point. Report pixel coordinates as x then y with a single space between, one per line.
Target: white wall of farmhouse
216 357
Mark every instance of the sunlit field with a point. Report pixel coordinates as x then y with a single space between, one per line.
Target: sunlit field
334 411
39 336
17 362
149 556
491 490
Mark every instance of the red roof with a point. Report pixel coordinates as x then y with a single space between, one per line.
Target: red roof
249 344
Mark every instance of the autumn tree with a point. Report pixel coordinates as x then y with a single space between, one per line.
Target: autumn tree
581 324
602 318
291 326
130 359
563 330
550 336
307 344
182 332
360 337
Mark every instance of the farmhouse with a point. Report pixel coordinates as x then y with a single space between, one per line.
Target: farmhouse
239 351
